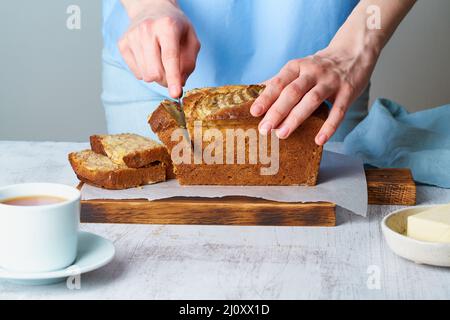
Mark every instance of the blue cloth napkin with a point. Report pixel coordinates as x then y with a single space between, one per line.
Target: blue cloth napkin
391 137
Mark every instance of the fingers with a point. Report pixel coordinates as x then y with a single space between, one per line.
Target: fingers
170 56
299 89
153 68
310 102
136 48
273 89
288 98
189 53
336 116
128 57
163 51
330 126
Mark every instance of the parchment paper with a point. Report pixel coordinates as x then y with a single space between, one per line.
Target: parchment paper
341 181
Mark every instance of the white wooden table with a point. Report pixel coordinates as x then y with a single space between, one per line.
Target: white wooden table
216 262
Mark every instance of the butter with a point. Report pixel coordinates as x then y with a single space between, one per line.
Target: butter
431 225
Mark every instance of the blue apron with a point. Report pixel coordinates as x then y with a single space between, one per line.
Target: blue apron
243 42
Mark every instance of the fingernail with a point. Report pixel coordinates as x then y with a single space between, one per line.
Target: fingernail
256 110
265 128
174 91
321 139
283 132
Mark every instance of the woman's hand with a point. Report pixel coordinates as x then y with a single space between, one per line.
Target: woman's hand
160 44
304 84
338 73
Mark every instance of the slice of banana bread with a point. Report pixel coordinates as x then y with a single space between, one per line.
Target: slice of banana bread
132 150
101 171
227 109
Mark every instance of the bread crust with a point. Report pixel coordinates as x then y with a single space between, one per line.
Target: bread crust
97 145
118 177
163 124
231 102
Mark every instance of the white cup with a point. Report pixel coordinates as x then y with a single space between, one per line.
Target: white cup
39 238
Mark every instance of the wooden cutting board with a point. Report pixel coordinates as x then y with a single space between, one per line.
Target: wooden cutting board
384 186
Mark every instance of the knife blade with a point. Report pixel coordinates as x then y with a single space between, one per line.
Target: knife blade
179 98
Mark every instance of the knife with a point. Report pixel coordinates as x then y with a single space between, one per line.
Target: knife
179 98
182 114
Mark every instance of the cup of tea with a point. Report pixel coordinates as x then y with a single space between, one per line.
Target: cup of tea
38 226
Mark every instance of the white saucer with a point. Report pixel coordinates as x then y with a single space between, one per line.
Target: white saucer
93 252
422 252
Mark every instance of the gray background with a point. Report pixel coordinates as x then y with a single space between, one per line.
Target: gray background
51 76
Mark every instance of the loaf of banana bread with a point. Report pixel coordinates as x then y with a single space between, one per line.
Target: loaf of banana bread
213 140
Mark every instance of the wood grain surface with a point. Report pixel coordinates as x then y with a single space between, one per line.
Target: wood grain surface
385 186
215 211
391 187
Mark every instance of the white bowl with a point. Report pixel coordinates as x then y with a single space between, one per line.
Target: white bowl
422 252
